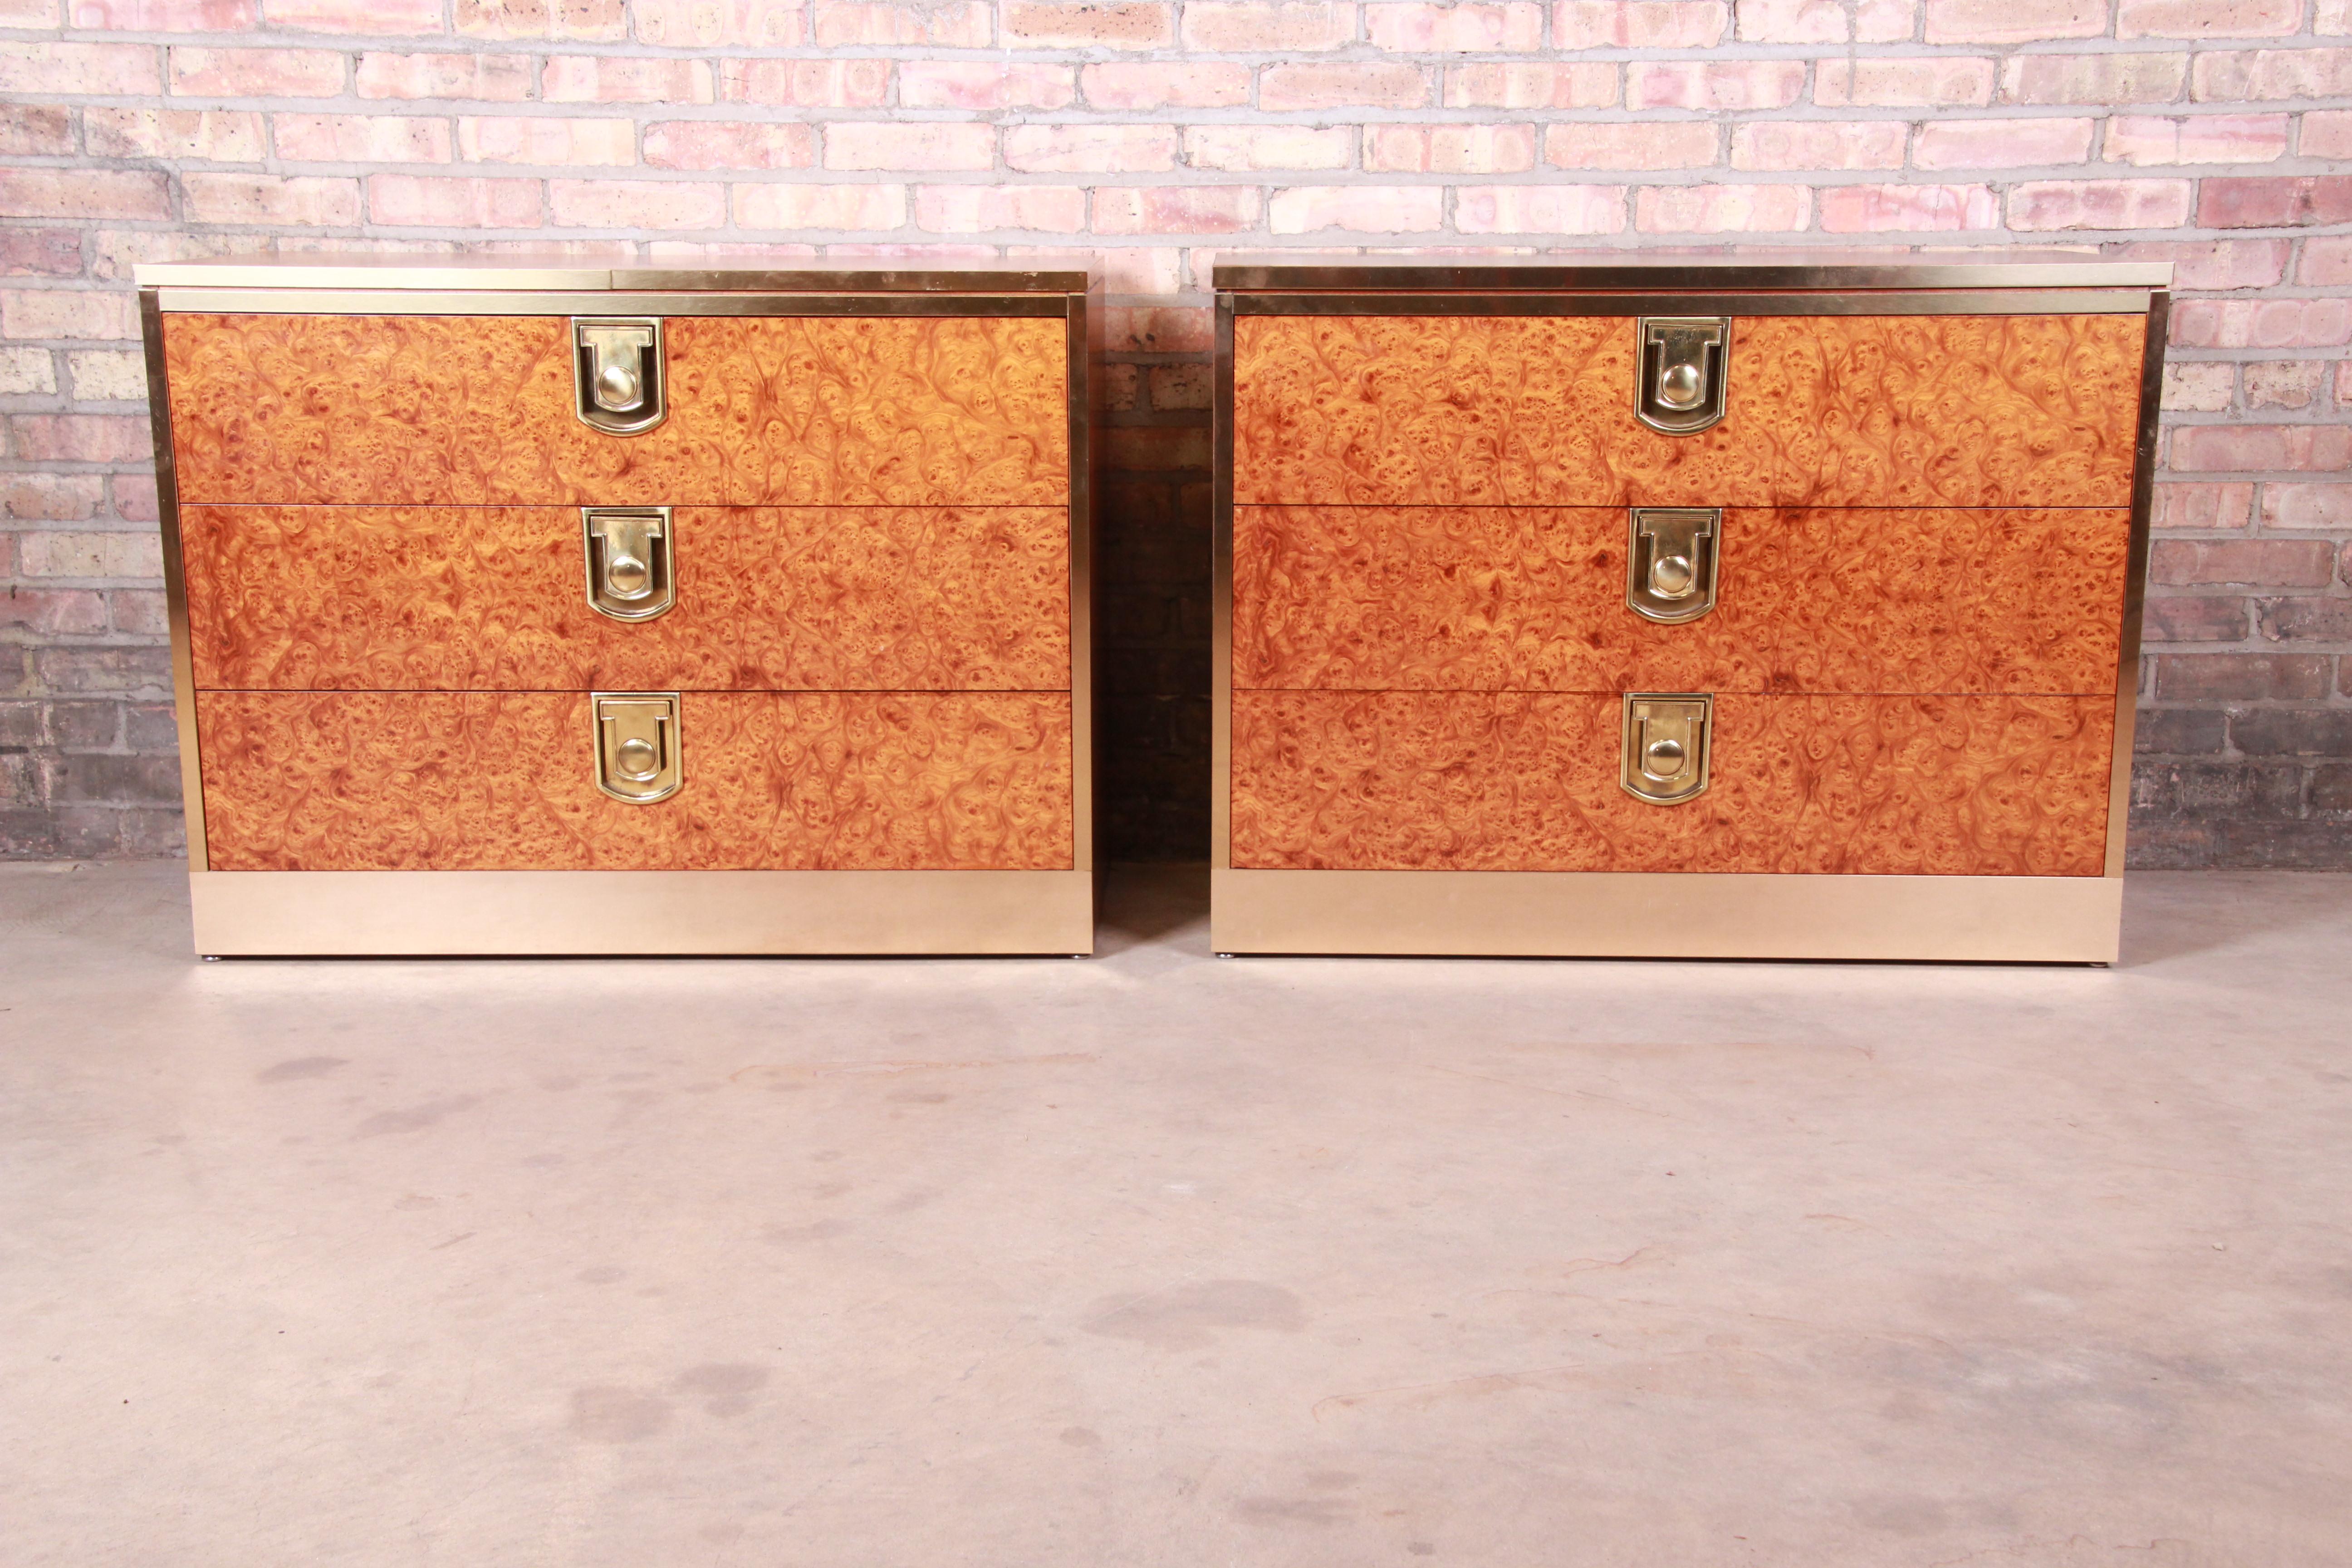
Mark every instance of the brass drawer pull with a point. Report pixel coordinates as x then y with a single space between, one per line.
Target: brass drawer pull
1667 738
631 574
1669 563
636 744
617 372
1685 365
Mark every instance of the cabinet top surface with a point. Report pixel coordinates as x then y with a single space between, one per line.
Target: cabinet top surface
1298 272
862 275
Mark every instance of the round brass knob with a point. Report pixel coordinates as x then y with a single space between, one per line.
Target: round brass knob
616 387
636 760
1680 386
1671 576
1662 759
627 577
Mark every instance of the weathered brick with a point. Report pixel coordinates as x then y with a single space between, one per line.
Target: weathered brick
2207 19
40 252
1582 84
495 78
2323 134
1088 23
2275 201
1638 24
806 84
43 130
1721 209
2180 731
365 18
926 145
1465 27
162 16
2241 677
1948 81
2014 21
256 73
2306 619
50 498
1372 86
2198 388
2044 205
1795 22
107 375
83 70
453 201
82 314
1714 84
2245 448
2093 79
360 138
2261 323
615 78
1773 145
1204 84
1267 26
2000 144
1633 144
727 145
2259 76
1365 209
967 25
84 194
982 209
94 554
2218 264
1177 387
1177 209
576 21
53 612
2301 505
2285 732
2202 505
638 204
2194 618
543 139
2242 562
1449 149
1539 209
81 437
719 24
1246 149
1160 330
844 207
2154 139
1870 209
26 371
104 776
1090 149
2327 261
985 85
2331 791
135 497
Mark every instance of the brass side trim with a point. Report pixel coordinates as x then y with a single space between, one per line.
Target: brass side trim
1221 600
175 582
1083 349
1674 915
1974 302
640 913
500 302
2135 607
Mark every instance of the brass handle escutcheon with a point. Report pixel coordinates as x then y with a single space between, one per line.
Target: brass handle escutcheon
1671 558
630 561
1685 368
618 380
1668 735
636 744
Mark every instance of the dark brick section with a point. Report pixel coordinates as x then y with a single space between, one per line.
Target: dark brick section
2261 789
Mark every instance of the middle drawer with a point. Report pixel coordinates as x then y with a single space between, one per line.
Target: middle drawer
775 598
1535 598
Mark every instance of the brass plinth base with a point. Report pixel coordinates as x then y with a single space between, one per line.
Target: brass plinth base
359 914
2032 919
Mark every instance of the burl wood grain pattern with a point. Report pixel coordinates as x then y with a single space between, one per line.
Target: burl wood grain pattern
496 781
472 410
1524 782
1972 411
1501 598
457 598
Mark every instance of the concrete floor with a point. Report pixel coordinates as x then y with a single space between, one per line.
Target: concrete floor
1164 1260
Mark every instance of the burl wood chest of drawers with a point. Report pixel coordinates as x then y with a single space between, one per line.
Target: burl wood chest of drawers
1693 609
536 610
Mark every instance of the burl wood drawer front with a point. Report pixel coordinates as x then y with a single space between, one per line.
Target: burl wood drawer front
1498 598
495 781
458 598
1970 411
1511 782
812 410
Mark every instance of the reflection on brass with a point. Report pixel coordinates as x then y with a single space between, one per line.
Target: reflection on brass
1669 563
1666 742
630 571
636 745
1685 363
617 373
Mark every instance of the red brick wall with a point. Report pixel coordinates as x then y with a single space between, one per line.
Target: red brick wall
2209 132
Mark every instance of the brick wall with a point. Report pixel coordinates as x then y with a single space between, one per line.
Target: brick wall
2211 133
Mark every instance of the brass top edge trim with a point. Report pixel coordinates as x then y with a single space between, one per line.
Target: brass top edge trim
461 273
1504 275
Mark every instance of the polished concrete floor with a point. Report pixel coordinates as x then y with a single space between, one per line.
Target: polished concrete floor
1159 1259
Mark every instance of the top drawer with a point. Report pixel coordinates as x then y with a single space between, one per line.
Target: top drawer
471 410
1897 410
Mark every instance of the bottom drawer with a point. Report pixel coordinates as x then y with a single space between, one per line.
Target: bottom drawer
1525 781
504 781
